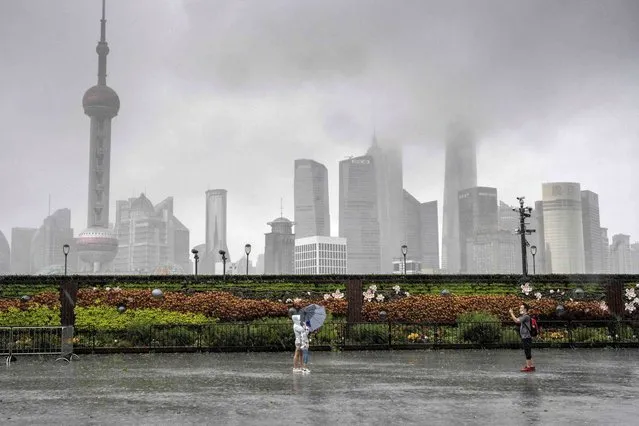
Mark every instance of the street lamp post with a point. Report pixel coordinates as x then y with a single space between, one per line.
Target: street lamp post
404 251
247 250
223 254
533 251
65 250
196 257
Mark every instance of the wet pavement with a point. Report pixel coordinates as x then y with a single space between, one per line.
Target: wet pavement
401 387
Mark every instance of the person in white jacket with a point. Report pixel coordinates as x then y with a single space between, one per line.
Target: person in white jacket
299 332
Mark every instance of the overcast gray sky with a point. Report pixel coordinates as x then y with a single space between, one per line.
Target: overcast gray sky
226 94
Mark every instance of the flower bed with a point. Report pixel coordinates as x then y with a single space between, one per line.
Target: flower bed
398 307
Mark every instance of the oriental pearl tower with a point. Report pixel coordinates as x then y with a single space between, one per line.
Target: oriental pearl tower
97 245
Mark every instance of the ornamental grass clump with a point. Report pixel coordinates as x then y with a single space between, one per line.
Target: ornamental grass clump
479 327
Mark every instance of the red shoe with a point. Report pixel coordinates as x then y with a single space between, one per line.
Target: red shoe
527 369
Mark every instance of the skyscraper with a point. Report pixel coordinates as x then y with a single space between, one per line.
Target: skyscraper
259 264
477 215
47 242
215 229
5 255
280 248
541 259
358 220
620 254
460 173
563 229
312 216
493 253
387 164
21 250
634 257
605 251
430 235
412 227
151 239
508 219
592 232
97 244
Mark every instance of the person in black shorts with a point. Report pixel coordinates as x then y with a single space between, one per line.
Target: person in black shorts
525 325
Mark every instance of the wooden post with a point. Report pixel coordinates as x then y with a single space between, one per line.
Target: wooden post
68 298
355 300
614 298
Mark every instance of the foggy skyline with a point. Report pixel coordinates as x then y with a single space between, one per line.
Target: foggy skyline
229 94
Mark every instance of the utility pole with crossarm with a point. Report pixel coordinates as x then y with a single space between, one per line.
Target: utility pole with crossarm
524 212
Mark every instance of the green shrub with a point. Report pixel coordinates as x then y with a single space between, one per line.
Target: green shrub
479 327
226 335
280 335
176 336
590 335
34 316
367 334
107 318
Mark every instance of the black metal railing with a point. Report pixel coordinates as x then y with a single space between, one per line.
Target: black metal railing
342 336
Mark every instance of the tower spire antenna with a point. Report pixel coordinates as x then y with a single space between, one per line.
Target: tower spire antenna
102 49
103 22
281 207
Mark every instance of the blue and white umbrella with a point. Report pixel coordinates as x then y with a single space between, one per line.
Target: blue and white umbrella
314 316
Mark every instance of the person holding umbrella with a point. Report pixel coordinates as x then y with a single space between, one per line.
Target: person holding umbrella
305 344
301 336
312 318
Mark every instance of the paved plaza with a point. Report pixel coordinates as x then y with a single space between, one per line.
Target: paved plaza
585 386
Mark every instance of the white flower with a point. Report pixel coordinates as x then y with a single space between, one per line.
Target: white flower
630 307
637 285
526 289
538 295
373 288
95 289
380 298
603 306
552 291
406 293
397 289
288 300
308 293
630 293
368 296
327 296
338 294
297 300
116 289
636 301
107 288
